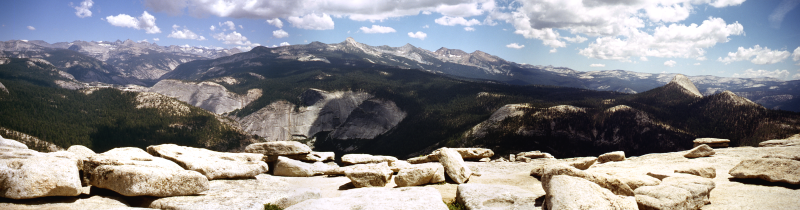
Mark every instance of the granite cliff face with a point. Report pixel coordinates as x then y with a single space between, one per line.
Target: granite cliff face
348 114
206 95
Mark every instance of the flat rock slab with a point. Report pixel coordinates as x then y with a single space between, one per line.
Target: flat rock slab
420 174
249 194
28 174
404 198
352 159
535 155
474 153
278 148
212 164
568 192
581 163
769 169
712 142
453 165
486 196
131 171
604 180
296 168
788 142
676 193
370 175
314 157
704 171
611 156
700 151
68 203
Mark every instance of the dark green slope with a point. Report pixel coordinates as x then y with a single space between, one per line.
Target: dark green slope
102 120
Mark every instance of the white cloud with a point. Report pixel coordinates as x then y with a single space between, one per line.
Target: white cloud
235 38
515 46
750 73
213 28
460 10
419 35
426 26
82 10
670 63
280 33
145 40
276 22
762 55
643 58
796 55
576 39
241 27
229 23
312 21
156 39
668 13
452 21
184 34
776 18
696 64
284 44
673 41
146 22
554 50
469 28
377 29
597 65
31 28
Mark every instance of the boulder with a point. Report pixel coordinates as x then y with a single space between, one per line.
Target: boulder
131 171
370 175
323 168
404 198
455 167
352 159
581 163
487 196
314 157
788 142
635 181
212 164
700 151
712 142
484 160
690 192
604 180
81 151
11 144
769 169
664 175
28 174
535 155
704 171
420 174
568 192
423 159
295 168
249 194
611 156
396 166
474 153
280 148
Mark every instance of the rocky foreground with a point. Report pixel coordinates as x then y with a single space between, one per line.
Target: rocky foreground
290 176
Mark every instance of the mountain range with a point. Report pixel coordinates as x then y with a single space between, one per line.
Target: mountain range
403 101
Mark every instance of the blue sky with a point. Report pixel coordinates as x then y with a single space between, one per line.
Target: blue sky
730 38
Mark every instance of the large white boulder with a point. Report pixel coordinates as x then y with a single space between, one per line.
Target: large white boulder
604 180
684 192
281 148
611 156
769 169
568 192
250 194
487 196
289 167
370 175
404 198
420 174
352 159
212 164
28 174
455 167
11 144
700 151
131 171
474 153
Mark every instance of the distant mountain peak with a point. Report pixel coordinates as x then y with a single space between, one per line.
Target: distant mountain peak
732 98
684 82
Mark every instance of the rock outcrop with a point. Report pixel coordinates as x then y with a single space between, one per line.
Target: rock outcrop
453 165
212 164
351 159
370 175
676 193
611 156
278 148
419 175
582 163
604 180
486 196
712 142
410 198
290 167
133 172
700 151
206 95
30 141
350 115
769 169
788 142
704 171
26 174
474 153
567 192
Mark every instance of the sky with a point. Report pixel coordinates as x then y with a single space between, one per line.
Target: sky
728 38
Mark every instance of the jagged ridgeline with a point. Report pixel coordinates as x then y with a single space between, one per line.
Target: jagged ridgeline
34 103
664 119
